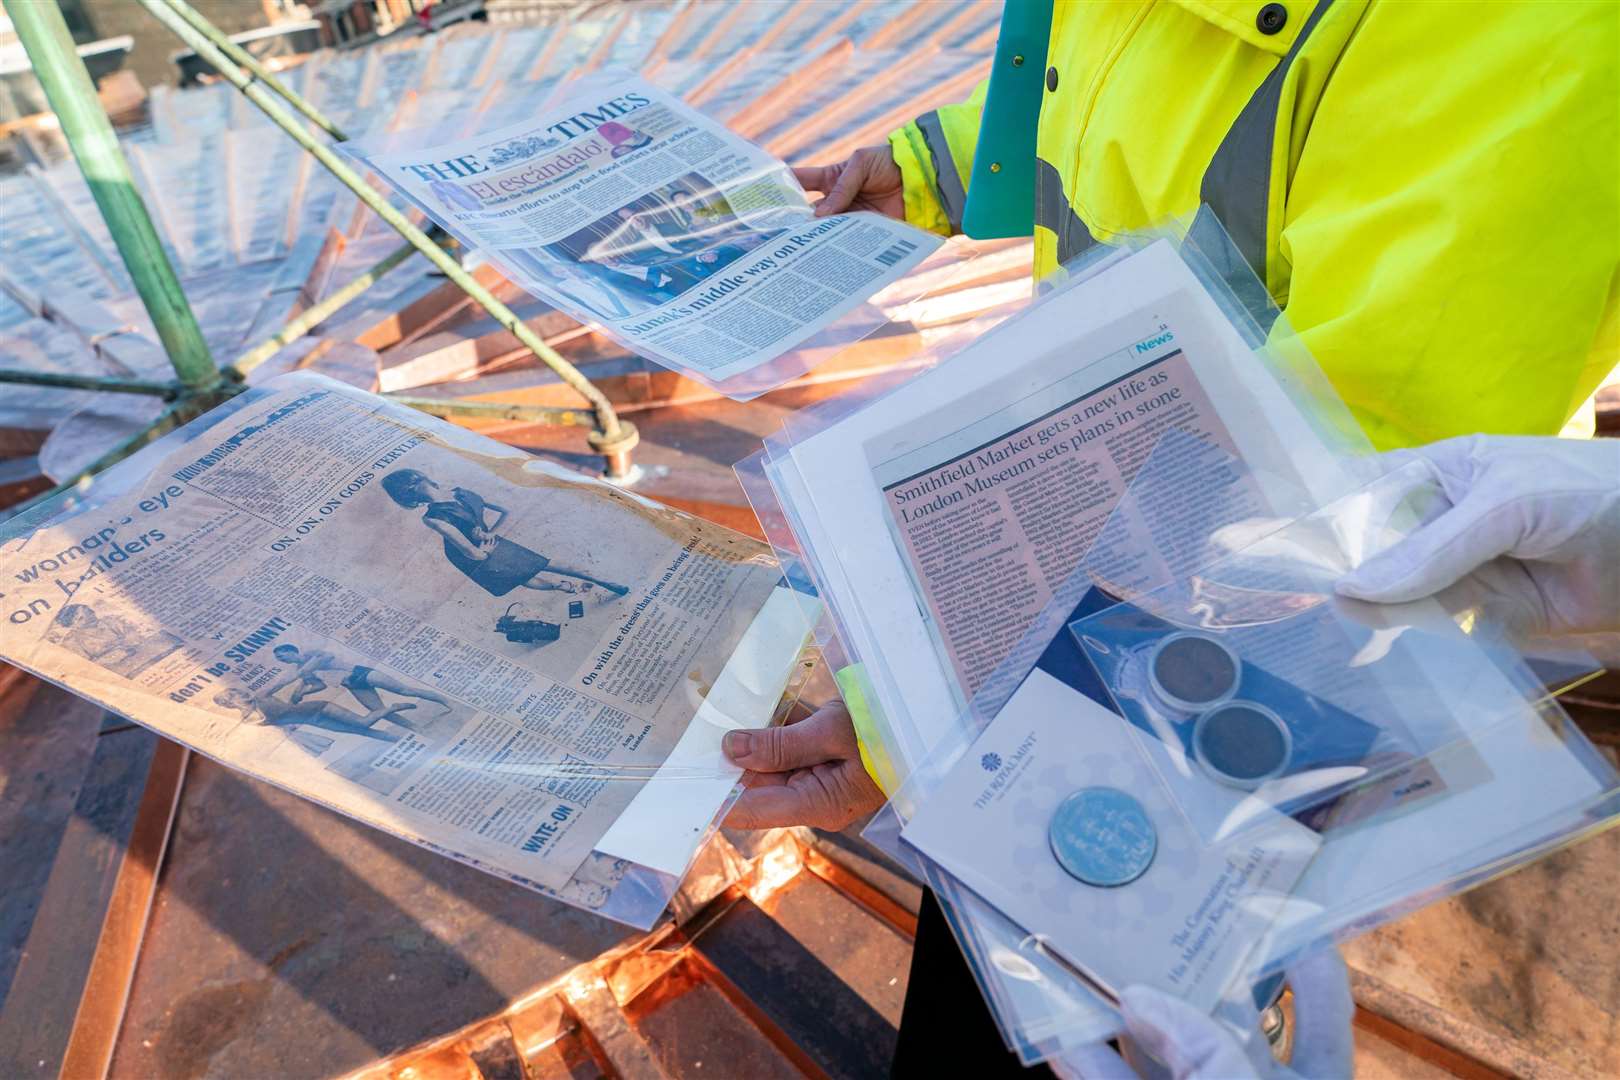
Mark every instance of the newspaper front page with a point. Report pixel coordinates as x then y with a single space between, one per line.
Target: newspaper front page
628 208
415 626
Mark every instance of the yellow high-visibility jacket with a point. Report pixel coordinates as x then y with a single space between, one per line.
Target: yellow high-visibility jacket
1430 189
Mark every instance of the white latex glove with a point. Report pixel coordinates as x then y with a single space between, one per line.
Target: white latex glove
1185 1044
1551 507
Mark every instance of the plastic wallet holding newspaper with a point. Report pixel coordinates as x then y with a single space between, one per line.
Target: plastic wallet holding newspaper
922 513
524 669
1209 763
945 524
686 243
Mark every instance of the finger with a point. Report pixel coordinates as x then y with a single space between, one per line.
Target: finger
1189 1042
829 797
1438 554
1389 461
773 806
1398 477
1323 1011
825 735
848 185
816 177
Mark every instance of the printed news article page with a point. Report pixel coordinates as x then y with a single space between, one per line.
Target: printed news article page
1126 464
996 510
628 208
836 473
393 617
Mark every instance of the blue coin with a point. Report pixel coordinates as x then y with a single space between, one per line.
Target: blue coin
1102 836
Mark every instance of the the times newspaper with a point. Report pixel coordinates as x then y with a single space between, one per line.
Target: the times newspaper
627 208
416 626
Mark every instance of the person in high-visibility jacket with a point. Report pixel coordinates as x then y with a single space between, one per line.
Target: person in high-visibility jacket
1429 191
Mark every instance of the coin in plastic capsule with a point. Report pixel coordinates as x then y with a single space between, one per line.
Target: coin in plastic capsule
1192 672
1102 836
1242 744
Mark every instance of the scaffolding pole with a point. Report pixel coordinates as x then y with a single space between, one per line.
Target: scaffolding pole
613 438
248 62
90 382
201 384
44 36
313 316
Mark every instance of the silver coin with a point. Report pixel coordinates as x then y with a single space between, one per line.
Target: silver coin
1103 837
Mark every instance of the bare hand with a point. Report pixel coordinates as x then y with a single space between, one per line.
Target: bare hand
807 772
869 180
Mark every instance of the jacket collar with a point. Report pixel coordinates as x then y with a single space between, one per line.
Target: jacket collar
1241 18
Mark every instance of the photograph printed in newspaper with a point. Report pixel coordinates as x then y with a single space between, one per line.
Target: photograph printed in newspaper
627 208
416 626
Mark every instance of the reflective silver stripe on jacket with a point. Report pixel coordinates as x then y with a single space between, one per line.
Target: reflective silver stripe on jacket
947 178
1052 211
1237 184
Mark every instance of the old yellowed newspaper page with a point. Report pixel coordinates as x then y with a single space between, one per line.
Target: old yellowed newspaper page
416 626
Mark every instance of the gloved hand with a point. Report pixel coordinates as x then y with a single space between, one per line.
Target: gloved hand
1182 1043
1551 506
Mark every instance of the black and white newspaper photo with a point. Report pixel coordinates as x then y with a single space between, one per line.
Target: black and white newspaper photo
628 208
415 626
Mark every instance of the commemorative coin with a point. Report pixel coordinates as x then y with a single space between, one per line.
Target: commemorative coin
1103 837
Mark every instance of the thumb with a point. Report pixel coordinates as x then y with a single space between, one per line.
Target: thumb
1324 1047
1191 1043
1436 555
1092 1061
811 741
815 177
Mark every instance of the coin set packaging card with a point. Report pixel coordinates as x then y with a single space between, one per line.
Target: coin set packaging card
1054 815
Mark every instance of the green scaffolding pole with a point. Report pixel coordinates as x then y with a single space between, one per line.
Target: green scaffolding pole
44 35
313 316
249 63
91 382
201 384
613 438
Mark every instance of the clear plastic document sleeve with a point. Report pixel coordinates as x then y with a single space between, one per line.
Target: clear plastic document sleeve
691 246
1213 761
517 666
1147 416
